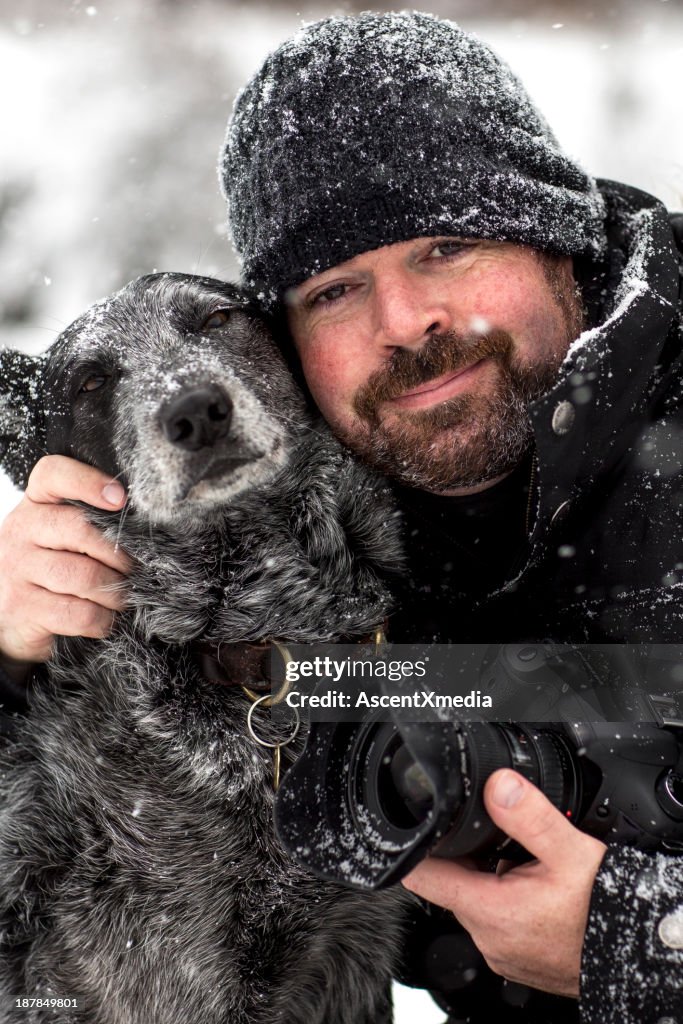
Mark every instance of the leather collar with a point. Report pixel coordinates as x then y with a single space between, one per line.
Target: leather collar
254 665
239 664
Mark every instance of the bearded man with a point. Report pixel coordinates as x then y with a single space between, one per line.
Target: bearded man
500 335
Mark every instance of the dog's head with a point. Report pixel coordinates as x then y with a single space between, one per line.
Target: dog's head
174 385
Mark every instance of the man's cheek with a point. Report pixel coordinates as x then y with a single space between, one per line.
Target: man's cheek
330 388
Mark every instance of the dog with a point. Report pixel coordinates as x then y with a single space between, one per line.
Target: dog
141 879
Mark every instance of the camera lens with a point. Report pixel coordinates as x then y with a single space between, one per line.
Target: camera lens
391 796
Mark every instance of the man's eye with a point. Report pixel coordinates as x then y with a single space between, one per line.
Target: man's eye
446 249
330 295
217 319
93 383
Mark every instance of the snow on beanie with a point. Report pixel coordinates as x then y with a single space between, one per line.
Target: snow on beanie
363 131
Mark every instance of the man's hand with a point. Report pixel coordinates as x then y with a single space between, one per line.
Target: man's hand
57 570
528 921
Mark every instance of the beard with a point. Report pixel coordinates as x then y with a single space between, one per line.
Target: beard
469 439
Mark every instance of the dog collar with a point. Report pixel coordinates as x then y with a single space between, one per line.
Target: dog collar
252 666
240 664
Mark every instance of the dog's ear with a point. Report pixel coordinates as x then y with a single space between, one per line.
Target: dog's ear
22 416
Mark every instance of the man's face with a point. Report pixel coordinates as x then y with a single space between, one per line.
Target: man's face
424 355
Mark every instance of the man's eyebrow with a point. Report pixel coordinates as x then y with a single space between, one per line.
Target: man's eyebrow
299 291
331 272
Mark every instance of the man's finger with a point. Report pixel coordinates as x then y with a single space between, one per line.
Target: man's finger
77 575
451 884
57 478
527 816
65 528
63 615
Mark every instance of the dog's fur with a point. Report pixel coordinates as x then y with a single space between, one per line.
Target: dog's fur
139 871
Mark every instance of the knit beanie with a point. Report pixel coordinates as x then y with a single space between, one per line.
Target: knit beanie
363 131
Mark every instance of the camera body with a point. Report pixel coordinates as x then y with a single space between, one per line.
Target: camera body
367 801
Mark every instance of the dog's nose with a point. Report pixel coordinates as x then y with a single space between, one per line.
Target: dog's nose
197 419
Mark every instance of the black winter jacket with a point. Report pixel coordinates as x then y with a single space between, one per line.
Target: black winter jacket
605 565
609 440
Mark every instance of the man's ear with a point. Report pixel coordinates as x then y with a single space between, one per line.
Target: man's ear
22 414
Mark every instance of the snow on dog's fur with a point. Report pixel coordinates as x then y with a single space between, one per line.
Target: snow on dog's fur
139 871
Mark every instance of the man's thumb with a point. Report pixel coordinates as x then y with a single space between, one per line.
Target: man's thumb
527 816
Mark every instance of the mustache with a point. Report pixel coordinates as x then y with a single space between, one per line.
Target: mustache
442 353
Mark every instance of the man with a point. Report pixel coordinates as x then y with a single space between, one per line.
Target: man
394 193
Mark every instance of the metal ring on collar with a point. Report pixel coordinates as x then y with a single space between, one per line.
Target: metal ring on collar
266 743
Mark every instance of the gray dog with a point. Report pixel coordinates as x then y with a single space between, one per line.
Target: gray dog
139 872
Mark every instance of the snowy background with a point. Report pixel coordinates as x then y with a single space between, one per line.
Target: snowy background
113 113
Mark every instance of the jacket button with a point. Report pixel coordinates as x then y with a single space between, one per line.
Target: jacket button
563 418
560 512
670 929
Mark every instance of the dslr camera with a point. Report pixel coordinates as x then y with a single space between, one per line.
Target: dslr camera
367 800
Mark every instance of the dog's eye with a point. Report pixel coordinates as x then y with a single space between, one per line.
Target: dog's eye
93 383
217 319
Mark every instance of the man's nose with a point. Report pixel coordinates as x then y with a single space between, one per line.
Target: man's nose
409 310
197 419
